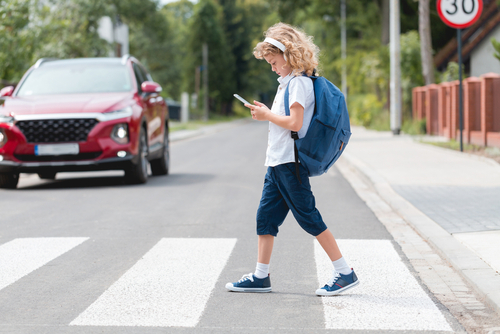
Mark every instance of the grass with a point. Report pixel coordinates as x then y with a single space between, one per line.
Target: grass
488 152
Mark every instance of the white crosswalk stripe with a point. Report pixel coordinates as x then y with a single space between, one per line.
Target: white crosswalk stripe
388 296
169 286
20 257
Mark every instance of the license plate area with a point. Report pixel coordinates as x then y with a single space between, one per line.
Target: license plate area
57 149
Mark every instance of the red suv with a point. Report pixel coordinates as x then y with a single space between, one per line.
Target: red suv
83 114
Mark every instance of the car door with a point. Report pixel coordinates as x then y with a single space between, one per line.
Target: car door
149 105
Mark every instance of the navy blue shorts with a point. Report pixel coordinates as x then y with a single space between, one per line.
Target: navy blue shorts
283 192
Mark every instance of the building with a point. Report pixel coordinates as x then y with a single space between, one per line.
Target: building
116 34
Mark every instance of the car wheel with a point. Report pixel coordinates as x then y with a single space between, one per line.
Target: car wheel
138 172
47 176
9 181
160 166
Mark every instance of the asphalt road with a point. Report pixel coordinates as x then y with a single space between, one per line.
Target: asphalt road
87 253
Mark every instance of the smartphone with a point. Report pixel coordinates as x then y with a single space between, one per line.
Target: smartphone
241 99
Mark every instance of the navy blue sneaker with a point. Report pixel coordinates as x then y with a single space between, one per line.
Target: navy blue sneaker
250 283
338 283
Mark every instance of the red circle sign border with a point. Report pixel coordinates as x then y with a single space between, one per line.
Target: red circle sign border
460 26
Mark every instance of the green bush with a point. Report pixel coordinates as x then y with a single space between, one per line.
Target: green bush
451 73
414 127
367 110
496 46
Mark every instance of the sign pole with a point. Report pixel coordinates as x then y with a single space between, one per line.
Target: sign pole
460 16
460 89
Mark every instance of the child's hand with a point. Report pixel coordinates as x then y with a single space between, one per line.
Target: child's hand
259 111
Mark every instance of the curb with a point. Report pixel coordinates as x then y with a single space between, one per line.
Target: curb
206 130
482 278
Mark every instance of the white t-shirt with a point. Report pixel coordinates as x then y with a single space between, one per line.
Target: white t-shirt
280 142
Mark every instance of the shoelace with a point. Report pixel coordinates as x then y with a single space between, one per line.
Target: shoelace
334 279
245 277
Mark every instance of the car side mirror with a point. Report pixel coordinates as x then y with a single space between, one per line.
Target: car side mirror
7 91
150 87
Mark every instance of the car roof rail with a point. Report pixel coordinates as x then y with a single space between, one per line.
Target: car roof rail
125 58
44 60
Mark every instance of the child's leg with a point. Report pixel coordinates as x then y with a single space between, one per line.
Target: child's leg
327 241
265 248
329 244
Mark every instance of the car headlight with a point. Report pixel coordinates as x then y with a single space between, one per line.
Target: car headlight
3 138
120 133
6 119
116 114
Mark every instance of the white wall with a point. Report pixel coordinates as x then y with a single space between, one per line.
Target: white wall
482 57
116 34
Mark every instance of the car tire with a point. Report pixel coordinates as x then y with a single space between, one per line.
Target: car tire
47 176
9 181
161 165
138 172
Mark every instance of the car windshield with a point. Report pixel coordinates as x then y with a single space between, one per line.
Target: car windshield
76 79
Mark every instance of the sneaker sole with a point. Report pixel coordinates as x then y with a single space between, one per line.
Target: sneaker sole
323 292
230 287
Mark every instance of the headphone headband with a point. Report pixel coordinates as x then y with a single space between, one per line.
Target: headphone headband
274 42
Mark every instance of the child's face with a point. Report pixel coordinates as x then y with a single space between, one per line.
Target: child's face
278 64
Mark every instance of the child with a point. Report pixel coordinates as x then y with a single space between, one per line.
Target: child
290 52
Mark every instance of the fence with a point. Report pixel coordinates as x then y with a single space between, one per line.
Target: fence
438 104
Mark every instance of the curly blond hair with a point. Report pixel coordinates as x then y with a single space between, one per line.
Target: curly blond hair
301 53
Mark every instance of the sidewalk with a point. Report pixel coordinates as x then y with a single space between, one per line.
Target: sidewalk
451 199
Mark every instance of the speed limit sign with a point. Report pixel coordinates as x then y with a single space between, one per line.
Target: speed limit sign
459 14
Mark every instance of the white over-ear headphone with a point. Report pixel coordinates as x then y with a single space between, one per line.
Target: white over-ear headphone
277 44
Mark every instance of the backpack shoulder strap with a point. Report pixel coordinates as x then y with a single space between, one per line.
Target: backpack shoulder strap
287 93
294 134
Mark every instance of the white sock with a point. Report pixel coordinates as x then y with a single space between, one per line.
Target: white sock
341 266
262 270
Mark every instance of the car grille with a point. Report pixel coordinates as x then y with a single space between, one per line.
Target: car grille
56 130
45 158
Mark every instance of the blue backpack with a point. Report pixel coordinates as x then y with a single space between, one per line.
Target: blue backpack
328 133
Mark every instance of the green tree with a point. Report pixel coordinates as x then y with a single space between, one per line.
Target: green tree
172 74
206 27
68 29
411 68
16 39
496 46
58 28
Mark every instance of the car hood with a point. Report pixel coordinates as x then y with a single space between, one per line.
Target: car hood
68 103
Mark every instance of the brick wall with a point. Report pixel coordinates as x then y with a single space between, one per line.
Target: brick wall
438 104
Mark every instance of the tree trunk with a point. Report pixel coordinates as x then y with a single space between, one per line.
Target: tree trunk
385 22
424 28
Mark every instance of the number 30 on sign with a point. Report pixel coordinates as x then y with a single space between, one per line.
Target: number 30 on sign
459 14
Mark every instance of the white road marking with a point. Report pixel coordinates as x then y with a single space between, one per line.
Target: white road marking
169 286
388 296
20 257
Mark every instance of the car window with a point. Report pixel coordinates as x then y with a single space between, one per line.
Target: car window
76 78
138 76
145 73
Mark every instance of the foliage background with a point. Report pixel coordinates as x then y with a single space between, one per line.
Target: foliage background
168 41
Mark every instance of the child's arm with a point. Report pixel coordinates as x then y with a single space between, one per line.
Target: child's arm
293 122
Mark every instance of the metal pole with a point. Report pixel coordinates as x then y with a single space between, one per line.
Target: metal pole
460 89
395 84
343 43
205 82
